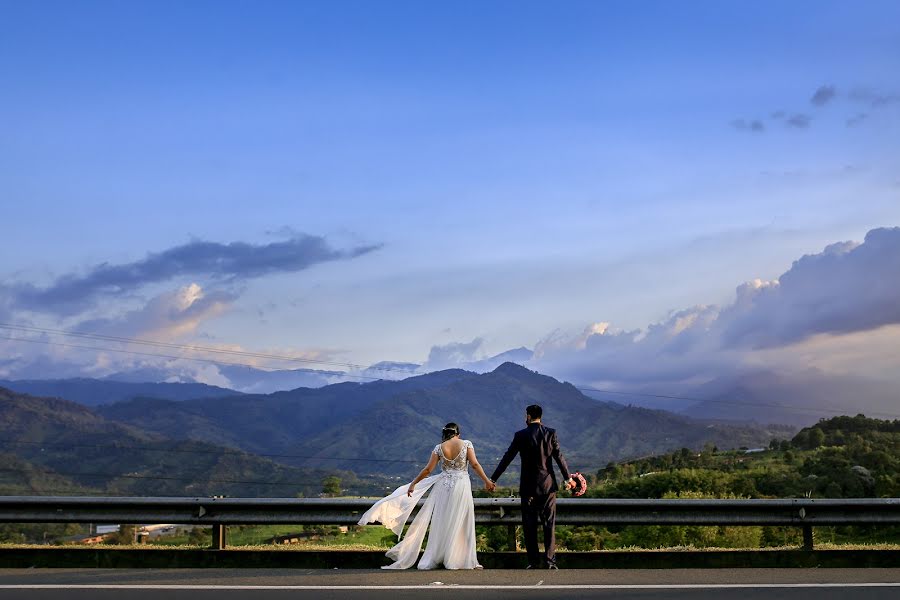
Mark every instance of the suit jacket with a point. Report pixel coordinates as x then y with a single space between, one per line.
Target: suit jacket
539 447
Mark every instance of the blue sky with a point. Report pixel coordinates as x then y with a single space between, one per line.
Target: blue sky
512 168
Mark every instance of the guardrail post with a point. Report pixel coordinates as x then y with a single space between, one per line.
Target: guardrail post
218 537
807 537
512 540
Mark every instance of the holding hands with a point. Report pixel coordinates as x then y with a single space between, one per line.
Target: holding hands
490 486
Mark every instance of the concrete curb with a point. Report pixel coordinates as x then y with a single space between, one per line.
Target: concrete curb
62 557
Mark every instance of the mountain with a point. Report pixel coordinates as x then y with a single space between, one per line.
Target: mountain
519 356
94 392
19 477
490 407
389 427
798 398
56 445
244 378
259 381
267 423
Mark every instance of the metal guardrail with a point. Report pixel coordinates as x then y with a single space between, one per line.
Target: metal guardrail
220 512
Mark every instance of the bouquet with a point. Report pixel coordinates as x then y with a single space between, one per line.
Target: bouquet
580 484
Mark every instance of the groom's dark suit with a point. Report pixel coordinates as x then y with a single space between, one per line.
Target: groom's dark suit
538 446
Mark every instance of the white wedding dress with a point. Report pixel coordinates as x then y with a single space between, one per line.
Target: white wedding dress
449 509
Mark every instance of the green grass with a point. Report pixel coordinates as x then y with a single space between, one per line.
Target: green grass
327 546
371 537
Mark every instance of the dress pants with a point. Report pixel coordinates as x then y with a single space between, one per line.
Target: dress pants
539 509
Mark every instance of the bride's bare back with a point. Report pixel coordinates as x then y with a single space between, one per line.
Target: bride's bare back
452 447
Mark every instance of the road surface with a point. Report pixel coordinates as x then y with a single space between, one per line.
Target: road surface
277 584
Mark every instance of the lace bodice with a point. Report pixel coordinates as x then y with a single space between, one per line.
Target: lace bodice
460 462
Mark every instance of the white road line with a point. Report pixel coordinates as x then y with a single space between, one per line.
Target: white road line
675 586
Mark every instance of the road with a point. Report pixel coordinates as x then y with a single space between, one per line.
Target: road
277 584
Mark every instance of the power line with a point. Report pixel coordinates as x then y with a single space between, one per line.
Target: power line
191 348
158 477
732 402
199 451
222 452
135 352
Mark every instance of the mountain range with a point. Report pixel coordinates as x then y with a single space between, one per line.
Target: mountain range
383 427
285 442
94 392
798 398
55 446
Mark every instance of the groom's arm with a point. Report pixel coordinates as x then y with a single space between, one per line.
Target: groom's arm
559 458
507 458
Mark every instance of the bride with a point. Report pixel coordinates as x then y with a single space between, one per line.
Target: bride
449 509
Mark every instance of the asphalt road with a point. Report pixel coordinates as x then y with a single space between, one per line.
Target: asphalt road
234 584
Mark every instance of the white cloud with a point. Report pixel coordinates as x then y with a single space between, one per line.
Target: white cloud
169 316
847 289
452 355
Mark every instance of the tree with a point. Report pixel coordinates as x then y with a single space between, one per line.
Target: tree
200 536
125 535
816 438
331 486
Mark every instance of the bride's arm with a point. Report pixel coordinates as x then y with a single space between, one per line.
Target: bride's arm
432 462
476 466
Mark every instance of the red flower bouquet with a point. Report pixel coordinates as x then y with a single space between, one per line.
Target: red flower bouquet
580 484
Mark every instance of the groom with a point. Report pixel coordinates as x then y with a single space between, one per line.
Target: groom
538 446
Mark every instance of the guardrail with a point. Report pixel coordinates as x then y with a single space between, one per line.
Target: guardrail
220 512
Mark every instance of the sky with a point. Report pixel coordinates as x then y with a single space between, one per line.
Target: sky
362 182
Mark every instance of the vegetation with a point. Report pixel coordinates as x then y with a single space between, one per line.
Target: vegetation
40 533
331 486
398 422
842 457
43 438
56 447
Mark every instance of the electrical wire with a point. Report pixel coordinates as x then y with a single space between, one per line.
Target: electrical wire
199 451
159 477
582 388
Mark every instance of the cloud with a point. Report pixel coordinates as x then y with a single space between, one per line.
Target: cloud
847 289
857 119
873 98
452 355
798 121
168 316
237 261
823 95
676 349
751 125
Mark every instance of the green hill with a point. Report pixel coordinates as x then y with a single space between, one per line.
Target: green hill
841 457
95 392
50 445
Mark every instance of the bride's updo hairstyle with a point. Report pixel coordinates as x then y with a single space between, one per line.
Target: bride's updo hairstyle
449 431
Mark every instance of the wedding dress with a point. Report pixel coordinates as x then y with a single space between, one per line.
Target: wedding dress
449 509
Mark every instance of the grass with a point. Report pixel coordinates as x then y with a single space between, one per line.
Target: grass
365 538
325 547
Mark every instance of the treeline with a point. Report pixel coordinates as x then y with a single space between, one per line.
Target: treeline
841 457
